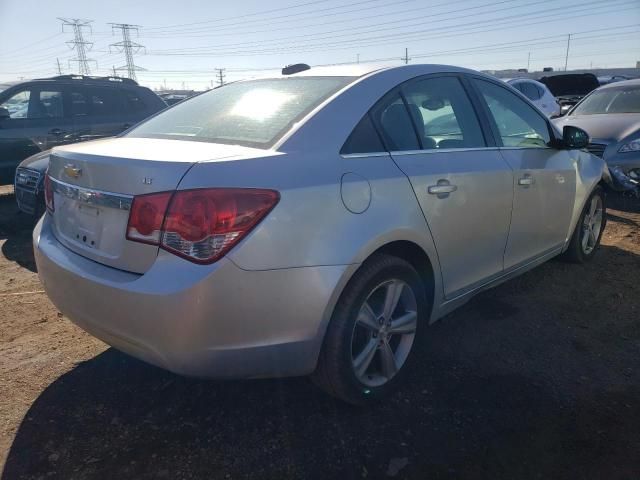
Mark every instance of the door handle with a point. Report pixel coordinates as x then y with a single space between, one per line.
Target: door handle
126 126
56 131
443 187
526 181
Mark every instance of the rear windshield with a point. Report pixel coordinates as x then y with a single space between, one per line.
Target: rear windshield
610 100
253 113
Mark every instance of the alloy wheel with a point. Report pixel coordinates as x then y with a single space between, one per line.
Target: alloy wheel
592 225
384 332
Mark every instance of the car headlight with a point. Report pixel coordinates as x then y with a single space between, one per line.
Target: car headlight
632 146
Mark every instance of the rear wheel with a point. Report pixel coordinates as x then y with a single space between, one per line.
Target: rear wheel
374 331
588 232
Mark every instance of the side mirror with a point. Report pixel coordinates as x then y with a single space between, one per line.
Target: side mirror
574 137
4 113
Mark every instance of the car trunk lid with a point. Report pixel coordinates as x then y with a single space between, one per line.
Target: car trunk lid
94 184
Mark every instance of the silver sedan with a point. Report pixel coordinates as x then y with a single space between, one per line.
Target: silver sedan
312 223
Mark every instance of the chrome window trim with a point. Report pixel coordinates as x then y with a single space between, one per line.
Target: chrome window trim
526 148
95 198
362 155
443 150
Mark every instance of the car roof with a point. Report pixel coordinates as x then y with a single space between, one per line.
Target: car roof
621 84
83 79
364 69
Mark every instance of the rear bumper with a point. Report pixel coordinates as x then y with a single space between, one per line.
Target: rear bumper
208 321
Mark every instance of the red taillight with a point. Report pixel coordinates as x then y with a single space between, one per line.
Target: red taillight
48 193
200 225
146 217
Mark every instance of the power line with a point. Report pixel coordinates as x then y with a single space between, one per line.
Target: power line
128 47
78 43
375 38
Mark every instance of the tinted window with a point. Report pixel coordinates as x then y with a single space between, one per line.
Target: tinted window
18 104
252 113
79 104
393 120
530 91
46 104
133 102
443 114
518 123
363 139
104 101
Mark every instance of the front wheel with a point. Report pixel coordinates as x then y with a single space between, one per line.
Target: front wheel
373 332
588 232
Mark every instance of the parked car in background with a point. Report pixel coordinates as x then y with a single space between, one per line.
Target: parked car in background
570 88
538 93
312 223
606 79
40 114
611 117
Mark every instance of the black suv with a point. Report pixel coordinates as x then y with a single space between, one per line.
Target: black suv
37 115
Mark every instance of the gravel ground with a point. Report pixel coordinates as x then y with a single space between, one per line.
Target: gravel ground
537 378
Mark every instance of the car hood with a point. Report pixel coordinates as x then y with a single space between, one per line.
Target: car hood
574 84
610 126
39 161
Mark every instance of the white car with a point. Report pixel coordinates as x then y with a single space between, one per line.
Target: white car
538 93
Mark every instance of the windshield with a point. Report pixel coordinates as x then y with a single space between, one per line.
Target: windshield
610 100
254 113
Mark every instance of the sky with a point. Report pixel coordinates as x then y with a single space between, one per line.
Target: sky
186 41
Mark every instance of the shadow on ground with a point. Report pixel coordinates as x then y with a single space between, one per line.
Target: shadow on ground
16 228
534 379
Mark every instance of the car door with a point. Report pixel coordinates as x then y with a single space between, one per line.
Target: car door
36 122
462 183
545 177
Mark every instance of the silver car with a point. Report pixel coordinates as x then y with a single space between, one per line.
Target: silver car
538 93
611 116
313 223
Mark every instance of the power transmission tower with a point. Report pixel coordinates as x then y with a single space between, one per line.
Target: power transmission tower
220 74
128 47
406 56
78 43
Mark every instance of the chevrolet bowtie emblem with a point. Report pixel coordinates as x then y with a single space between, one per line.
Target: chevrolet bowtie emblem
72 172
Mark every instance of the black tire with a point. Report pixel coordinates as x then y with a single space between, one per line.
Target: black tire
575 253
335 372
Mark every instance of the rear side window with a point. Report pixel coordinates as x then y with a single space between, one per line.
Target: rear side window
363 139
79 104
104 101
394 123
133 102
519 124
530 91
443 113
254 113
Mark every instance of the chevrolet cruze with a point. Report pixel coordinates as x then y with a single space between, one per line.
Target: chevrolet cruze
312 223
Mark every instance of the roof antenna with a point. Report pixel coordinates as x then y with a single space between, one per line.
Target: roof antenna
295 68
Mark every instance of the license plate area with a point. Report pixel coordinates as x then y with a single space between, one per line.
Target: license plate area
91 222
80 223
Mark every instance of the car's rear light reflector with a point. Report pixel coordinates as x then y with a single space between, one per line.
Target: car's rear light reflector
48 193
200 225
146 217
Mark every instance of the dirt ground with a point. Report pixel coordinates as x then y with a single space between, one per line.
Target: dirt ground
536 379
